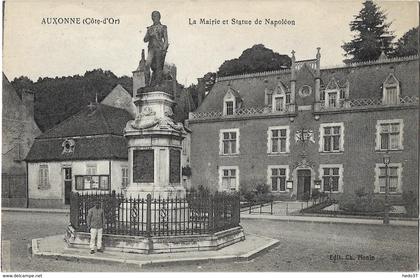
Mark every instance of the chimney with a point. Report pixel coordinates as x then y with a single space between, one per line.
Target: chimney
28 98
318 75
201 90
293 80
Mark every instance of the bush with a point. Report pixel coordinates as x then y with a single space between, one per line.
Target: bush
316 194
256 193
357 202
411 204
306 196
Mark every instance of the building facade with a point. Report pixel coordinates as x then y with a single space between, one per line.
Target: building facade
18 133
309 127
85 153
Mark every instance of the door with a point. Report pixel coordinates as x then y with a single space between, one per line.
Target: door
304 183
67 185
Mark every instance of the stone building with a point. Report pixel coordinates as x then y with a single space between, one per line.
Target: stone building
85 153
18 132
309 127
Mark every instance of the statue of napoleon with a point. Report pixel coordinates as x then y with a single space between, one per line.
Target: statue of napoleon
157 36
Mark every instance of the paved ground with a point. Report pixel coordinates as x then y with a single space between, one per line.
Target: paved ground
303 247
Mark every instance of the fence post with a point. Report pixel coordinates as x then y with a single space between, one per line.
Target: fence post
149 215
74 210
271 207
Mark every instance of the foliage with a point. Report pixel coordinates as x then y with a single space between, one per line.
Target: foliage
59 98
306 197
411 203
316 194
372 35
408 44
360 192
258 192
361 203
258 58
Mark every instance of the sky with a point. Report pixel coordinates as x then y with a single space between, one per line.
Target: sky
33 49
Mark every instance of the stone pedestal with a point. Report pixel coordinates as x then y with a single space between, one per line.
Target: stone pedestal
154 148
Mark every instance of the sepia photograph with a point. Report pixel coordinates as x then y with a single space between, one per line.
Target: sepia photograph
210 136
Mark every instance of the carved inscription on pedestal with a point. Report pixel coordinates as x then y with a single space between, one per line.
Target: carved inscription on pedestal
143 166
174 166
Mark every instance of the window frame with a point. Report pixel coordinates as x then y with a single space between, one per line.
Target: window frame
43 176
327 98
340 176
100 178
379 124
229 97
91 166
322 134
399 167
221 141
269 139
269 177
221 170
386 85
125 177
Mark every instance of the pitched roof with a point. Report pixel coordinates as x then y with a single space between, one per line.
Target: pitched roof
97 131
92 148
94 119
365 81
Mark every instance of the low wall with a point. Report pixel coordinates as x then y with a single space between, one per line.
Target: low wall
46 203
13 202
158 244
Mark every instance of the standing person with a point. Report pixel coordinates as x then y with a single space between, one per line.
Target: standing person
95 222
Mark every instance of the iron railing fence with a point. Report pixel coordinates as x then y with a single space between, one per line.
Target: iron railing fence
194 214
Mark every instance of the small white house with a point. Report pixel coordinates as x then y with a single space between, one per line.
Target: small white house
85 153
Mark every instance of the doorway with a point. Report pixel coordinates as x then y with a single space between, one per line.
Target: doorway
303 183
67 185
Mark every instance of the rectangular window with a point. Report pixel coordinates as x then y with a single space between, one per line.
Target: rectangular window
390 136
287 97
279 103
124 177
332 99
322 95
331 138
229 179
268 98
229 107
391 95
92 182
278 140
330 179
278 179
392 179
342 94
229 142
43 178
91 169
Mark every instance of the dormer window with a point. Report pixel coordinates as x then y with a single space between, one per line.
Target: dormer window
391 90
229 107
279 103
279 98
331 98
231 102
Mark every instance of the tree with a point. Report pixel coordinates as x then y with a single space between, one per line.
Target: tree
372 35
255 59
408 44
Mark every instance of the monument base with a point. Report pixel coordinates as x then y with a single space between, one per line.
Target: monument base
158 244
156 191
